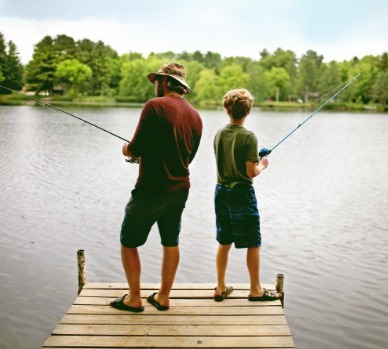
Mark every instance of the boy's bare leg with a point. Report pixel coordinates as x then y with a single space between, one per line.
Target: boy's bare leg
222 263
253 264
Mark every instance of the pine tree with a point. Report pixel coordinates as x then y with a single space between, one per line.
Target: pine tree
2 61
41 69
14 69
11 70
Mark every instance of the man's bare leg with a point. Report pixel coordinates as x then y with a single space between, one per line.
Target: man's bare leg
222 263
169 267
132 267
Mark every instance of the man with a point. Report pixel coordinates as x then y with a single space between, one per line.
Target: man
237 215
165 142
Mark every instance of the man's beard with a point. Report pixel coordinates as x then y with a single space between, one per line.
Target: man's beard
159 91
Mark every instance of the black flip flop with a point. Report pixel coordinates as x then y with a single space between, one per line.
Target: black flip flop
220 298
267 296
119 304
151 299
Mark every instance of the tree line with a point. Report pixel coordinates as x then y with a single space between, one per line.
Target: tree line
61 65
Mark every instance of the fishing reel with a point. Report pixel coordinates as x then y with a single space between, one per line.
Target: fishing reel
264 152
132 160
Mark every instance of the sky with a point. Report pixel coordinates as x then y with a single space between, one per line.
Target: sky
336 29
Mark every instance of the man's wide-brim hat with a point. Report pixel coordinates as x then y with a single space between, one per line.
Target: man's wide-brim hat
174 70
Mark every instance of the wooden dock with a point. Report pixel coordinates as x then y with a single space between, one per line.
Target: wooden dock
194 320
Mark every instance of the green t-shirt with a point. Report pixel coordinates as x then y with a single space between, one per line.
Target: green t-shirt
234 146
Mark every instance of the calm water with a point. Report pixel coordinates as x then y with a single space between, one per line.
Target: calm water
323 202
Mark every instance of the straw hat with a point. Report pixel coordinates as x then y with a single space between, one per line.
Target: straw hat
175 70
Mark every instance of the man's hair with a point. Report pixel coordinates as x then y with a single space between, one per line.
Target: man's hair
238 103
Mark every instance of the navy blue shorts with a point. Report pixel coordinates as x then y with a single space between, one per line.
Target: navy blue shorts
237 216
145 209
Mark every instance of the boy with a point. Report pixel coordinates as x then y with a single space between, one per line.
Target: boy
237 215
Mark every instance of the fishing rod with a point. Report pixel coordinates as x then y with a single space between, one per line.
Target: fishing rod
265 151
37 100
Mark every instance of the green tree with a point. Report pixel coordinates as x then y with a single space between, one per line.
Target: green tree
257 82
207 88
130 56
380 87
167 56
383 62
73 74
361 90
330 78
264 53
14 69
11 70
231 77
308 79
278 83
65 46
101 59
134 83
193 70
198 57
212 60
281 59
184 57
3 60
243 62
40 71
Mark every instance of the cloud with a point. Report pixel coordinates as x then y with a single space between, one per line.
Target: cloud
336 30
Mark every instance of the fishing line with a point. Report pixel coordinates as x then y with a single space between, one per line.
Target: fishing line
265 151
84 122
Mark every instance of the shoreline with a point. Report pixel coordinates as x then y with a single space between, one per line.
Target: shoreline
14 100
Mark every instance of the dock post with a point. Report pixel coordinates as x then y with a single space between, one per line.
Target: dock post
81 270
280 287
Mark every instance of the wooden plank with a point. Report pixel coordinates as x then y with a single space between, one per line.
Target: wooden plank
218 329
183 294
169 342
149 309
192 302
128 318
155 286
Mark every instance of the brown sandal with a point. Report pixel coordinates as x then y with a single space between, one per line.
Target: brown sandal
226 293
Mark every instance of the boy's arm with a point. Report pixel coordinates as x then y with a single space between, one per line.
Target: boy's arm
255 168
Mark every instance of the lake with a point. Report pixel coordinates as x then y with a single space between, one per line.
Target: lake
323 202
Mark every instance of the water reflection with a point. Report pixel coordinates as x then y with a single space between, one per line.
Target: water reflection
323 201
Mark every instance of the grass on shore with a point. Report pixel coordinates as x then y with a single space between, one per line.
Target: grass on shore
100 101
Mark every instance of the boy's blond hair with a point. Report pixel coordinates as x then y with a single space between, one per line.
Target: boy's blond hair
238 103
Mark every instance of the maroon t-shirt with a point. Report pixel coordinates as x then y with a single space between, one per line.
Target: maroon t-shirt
166 140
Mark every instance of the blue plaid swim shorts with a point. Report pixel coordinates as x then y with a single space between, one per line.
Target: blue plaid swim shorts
237 216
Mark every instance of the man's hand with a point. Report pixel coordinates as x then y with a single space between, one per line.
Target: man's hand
125 149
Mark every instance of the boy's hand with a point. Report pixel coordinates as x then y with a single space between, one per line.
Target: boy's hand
263 164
